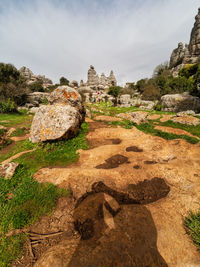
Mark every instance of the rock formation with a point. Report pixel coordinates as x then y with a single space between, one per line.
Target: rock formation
180 102
188 54
96 82
31 78
61 119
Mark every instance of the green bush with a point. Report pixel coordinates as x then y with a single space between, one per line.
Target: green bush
12 84
7 106
114 91
64 81
36 86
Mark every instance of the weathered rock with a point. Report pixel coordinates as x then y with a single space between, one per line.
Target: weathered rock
180 102
10 131
8 170
194 45
59 120
125 100
188 120
177 56
188 54
125 116
93 78
33 110
96 82
73 84
139 117
2 127
187 112
36 98
31 78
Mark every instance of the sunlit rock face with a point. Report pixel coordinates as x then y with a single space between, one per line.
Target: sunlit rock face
61 119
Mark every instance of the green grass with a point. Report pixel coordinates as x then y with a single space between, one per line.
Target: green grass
22 199
149 129
113 111
11 248
19 132
14 119
19 147
195 130
192 223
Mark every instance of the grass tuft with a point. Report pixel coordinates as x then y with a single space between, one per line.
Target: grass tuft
192 223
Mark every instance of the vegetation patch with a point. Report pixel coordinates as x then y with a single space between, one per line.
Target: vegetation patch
194 130
192 223
149 129
22 199
11 120
19 132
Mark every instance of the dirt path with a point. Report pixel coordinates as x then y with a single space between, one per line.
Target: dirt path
117 165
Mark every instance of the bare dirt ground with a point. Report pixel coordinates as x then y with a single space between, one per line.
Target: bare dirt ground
153 182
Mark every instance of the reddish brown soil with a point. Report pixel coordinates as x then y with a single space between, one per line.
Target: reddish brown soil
113 162
134 149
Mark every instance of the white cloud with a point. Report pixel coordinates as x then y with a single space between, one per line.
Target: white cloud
58 37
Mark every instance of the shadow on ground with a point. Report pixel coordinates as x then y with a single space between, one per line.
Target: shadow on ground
116 229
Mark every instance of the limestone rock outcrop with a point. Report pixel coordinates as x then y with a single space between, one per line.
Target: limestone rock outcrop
31 77
61 119
96 82
36 98
188 54
180 102
8 170
125 101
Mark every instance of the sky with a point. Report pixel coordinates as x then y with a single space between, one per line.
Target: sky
59 38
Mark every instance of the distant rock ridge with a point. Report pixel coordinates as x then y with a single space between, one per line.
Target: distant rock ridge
188 54
96 82
31 77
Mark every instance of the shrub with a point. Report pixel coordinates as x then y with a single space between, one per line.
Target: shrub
12 85
64 81
114 91
36 86
160 69
7 106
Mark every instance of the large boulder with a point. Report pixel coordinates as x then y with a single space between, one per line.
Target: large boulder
180 102
125 101
61 119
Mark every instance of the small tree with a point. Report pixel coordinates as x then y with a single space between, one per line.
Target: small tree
160 68
64 81
114 91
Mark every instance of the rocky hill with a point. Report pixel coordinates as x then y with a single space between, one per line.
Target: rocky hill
188 54
31 77
96 82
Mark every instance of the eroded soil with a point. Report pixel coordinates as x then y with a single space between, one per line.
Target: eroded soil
155 183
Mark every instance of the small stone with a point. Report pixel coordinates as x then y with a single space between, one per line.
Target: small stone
8 170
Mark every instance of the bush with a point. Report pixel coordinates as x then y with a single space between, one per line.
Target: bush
7 106
160 69
64 81
12 85
36 86
114 91
158 106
